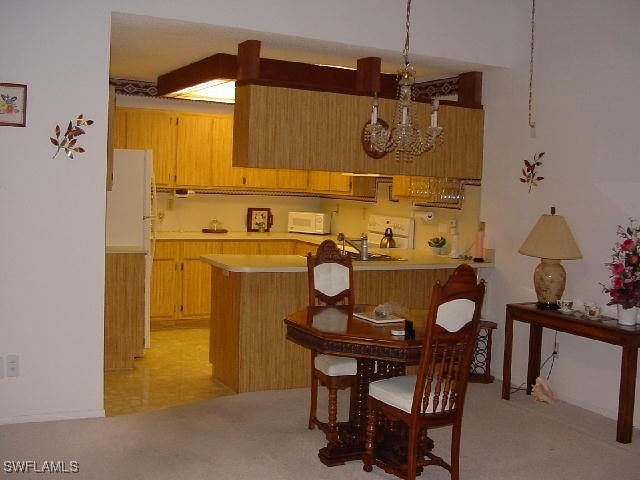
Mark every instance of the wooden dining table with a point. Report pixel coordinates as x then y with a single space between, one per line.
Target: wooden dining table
337 330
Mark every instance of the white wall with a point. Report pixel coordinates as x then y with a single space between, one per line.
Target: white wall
586 106
52 211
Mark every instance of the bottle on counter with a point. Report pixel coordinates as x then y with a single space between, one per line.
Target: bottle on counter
479 248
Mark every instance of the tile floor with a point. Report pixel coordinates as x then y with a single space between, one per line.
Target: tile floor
174 371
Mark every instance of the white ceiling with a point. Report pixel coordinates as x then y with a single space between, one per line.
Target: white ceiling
142 48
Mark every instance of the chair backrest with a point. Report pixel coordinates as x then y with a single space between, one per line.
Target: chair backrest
452 327
330 276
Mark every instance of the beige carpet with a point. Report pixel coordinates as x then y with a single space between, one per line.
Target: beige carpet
263 435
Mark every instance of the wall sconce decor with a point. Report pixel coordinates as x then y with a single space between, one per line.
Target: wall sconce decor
69 142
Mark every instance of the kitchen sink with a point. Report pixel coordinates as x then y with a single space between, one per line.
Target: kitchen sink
375 257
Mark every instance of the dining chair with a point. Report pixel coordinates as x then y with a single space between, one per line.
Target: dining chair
330 277
435 396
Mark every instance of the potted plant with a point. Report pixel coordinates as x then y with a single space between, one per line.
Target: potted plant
436 244
624 273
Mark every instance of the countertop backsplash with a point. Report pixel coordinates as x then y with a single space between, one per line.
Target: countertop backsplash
196 212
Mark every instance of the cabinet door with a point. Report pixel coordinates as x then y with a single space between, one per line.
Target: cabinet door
292 179
321 181
154 130
278 247
340 182
165 280
196 278
242 247
194 152
401 186
164 288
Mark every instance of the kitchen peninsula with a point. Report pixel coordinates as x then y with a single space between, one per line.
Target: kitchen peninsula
251 295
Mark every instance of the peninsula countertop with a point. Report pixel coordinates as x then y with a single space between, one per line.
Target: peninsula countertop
412 260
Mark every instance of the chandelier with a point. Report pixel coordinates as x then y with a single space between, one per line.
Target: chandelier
405 137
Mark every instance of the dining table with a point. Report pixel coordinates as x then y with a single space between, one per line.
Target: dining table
378 345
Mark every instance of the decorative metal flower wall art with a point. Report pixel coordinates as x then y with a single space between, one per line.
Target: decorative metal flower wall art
530 171
69 141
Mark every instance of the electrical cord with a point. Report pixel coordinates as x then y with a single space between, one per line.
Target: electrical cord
551 357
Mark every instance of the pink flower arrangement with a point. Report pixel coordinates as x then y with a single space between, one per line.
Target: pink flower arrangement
624 268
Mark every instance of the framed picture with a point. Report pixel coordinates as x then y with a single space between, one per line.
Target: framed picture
259 219
13 104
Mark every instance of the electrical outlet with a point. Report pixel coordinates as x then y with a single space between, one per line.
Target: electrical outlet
13 365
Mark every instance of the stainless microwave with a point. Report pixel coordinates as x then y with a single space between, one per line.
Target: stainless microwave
309 222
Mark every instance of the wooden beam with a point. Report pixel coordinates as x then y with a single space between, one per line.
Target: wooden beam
248 60
220 65
470 89
368 75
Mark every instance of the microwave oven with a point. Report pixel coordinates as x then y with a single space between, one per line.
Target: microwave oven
309 222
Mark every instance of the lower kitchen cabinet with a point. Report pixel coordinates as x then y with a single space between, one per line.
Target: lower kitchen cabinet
164 280
123 309
181 282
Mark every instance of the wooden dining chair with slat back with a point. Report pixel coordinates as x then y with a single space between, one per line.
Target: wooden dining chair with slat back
330 277
435 396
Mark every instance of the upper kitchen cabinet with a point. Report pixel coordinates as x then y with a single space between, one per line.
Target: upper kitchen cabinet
276 127
153 130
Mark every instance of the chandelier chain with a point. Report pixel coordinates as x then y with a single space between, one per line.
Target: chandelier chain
532 123
405 52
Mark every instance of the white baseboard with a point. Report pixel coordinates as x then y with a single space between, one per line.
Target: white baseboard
51 417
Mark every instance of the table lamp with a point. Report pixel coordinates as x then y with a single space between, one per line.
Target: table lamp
551 241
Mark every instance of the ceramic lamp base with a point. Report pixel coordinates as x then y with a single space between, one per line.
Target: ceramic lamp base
549 279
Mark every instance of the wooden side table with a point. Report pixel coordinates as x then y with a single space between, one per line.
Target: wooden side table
605 329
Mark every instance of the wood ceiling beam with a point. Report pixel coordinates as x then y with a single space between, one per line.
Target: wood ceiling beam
247 68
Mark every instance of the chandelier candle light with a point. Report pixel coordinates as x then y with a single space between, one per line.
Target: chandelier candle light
405 137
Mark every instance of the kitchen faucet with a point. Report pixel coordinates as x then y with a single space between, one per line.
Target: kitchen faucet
362 249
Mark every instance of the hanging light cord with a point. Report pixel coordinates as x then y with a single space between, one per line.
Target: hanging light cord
532 124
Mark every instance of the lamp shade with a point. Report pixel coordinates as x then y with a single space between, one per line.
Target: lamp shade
551 238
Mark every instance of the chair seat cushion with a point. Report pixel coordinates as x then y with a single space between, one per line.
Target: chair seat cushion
334 366
395 391
398 392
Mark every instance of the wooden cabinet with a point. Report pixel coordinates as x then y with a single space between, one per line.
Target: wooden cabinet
164 280
196 278
123 309
321 181
153 130
267 135
181 282
194 150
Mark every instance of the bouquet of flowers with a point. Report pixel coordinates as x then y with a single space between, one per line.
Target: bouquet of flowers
437 242
624 268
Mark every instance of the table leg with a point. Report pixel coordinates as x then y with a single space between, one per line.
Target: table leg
535 349
626 398
506 364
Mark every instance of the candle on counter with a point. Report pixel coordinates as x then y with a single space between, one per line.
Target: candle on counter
479 248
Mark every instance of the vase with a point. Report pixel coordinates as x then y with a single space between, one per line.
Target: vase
436 250
627 316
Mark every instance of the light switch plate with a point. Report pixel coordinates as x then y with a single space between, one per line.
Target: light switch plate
13 365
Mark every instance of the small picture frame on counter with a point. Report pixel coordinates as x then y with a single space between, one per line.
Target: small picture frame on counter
259 219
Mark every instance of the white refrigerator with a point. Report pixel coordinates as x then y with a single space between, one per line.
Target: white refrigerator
130 210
